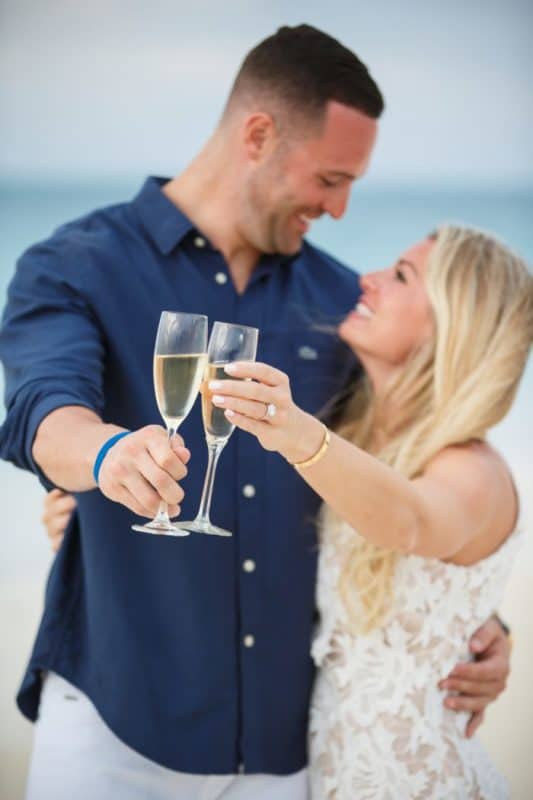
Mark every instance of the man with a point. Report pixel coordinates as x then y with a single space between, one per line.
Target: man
194 651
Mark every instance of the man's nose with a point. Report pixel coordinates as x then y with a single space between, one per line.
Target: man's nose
336 203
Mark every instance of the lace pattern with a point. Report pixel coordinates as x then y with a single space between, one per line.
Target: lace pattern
378 727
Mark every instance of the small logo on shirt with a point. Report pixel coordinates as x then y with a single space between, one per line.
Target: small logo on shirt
309 353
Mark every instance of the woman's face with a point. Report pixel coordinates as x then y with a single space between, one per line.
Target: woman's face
393 315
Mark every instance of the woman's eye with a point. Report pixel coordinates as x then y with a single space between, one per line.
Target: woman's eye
400 275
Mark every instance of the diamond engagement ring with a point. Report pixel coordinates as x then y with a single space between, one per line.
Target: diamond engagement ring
271 411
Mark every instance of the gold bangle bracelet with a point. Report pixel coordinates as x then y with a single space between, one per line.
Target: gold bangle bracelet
319 453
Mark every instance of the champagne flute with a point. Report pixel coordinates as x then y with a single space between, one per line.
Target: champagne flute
227 343
179 363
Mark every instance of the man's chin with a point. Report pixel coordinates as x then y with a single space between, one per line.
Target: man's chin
290 248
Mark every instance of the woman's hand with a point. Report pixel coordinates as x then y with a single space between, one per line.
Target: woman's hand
58 508
264 407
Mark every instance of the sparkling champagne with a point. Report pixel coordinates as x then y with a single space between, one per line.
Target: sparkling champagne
177 379
216 424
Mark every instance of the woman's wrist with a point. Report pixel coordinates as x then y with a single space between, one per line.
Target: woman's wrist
309 435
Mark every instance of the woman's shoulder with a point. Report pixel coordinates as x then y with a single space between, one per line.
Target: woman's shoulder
477 459
483 477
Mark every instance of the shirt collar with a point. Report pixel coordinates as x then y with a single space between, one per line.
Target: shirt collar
167 225
164 222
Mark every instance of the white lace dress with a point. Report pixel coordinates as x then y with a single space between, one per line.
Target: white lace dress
378 727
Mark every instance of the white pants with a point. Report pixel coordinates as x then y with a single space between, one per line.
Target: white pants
77 757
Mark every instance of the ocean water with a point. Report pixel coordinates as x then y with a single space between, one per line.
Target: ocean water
380 222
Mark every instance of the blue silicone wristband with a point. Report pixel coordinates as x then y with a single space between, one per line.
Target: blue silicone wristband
103 452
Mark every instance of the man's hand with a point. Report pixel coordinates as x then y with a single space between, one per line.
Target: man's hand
142 469
481 681
58 508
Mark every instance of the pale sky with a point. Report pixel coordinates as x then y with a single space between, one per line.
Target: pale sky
110 88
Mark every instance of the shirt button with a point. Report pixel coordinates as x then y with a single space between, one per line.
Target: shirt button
199 241
221 278
248 490
249 565
249 640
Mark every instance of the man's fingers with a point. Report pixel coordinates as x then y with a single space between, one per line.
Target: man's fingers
129 499
165 458
166 487
472 688
126 498
146 466
484 637
494 668
173 511
145 493
471 704
182 452
474 722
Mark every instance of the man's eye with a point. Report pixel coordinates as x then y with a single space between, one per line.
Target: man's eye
325 182
400 275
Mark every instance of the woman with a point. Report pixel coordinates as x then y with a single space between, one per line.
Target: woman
419 527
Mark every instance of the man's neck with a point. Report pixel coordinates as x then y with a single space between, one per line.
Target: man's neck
206 191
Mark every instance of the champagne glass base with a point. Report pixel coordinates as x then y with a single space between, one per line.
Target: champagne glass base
198 526
160 529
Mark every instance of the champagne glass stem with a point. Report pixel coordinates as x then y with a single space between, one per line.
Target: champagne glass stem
214 450
162 512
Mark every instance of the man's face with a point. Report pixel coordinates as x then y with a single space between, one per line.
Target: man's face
299 181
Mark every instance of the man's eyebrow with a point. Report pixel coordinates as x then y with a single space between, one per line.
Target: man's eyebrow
340 174
403 262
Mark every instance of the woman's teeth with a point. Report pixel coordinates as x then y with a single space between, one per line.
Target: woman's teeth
363 310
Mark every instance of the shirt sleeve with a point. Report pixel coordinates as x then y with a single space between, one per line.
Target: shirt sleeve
51 348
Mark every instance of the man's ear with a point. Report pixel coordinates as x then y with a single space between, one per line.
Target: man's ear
259 135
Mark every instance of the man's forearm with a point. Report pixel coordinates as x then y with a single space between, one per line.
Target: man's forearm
67 443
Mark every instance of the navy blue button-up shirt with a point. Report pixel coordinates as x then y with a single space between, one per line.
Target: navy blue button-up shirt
155 630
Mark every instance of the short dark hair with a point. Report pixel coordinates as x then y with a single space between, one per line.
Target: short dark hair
304 68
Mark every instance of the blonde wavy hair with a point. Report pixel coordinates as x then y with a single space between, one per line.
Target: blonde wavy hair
453 389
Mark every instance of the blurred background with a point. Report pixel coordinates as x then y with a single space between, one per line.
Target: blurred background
96 96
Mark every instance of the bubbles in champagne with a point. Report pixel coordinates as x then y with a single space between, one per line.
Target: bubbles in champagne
177 379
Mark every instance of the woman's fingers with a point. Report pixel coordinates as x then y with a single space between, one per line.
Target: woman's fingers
57 502
248 408
247 424
249 390
58 508
258 371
